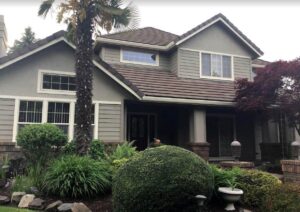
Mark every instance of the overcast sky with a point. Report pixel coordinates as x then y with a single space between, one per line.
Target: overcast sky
272 26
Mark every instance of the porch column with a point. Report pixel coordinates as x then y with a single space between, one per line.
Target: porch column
198 142
297 136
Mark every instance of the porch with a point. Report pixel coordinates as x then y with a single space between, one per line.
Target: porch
205 130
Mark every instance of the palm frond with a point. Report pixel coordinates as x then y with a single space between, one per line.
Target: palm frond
45 7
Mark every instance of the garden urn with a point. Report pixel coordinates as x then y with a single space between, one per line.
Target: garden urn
231 196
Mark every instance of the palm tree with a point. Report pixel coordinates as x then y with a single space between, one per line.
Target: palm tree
84 16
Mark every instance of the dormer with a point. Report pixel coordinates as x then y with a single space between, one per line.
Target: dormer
214 50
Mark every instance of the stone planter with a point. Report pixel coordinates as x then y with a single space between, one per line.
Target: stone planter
230 196
291 170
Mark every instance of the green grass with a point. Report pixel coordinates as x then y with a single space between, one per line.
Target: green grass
10 209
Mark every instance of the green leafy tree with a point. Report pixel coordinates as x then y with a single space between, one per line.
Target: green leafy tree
27 39
84 17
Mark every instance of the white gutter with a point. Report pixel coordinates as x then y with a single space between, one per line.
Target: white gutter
187 101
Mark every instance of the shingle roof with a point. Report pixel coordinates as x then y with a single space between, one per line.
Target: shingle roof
260 62
147 35
153 36
163 83
32 47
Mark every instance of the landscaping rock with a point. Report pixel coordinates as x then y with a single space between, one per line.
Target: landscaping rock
26 199
65 207
53 206
37 203
80 207
4 200
34 190
16 197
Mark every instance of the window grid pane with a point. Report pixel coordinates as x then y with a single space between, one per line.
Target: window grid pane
30 112
56 82
58 113
140 57
215 65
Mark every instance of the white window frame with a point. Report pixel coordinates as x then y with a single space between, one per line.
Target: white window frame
139 63
40 88
221 54
45 112
18 113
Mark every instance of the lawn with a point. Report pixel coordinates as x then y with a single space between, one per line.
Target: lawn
9 209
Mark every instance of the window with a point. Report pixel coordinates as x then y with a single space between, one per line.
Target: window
30 112
216 66
58 114
58 82
139 57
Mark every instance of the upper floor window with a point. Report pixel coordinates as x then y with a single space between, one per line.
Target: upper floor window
56 82
216 66
139 57
59 82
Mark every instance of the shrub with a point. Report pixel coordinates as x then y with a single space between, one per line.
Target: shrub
284 198
225 177
256 186
77 177
165 178
124 150
40 142
33 177
96 149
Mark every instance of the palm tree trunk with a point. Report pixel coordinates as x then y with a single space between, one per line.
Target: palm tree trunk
84 82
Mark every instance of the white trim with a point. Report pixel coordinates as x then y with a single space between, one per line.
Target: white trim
134 44
139 63
71 121
116 79
212 77
33 98
16 119
210 24
45 111
187 101
96 121
212 52
40 88
258 66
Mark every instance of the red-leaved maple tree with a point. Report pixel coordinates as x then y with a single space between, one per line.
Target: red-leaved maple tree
275 88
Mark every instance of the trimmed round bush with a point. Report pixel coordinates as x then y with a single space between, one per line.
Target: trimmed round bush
41 142
284 198
165 178
77 177
256 186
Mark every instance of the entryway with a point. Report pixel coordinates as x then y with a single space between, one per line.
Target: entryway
220 133
141 128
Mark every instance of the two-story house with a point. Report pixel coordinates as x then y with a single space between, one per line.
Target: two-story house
148 84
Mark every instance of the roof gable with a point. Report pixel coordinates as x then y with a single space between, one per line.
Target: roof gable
216 19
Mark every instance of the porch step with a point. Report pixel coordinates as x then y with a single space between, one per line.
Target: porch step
220 159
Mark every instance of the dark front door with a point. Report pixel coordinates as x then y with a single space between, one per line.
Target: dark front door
220 134
140 129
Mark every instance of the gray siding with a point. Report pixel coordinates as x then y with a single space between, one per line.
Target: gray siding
110 117
7 107
217 38
174 62
112 55
242 67
188 64
59 57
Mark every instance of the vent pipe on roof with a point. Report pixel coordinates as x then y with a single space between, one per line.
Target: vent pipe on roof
3 37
